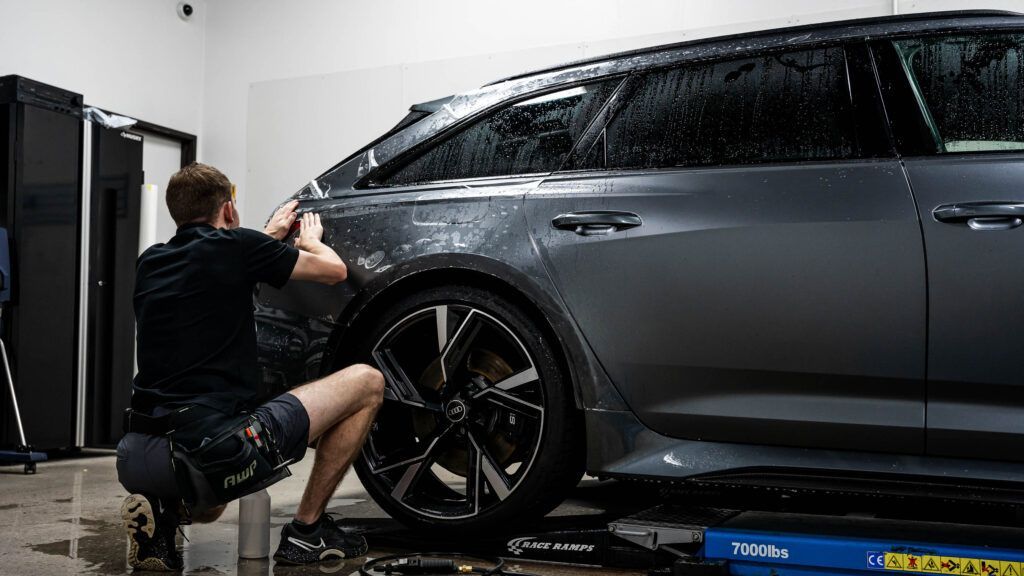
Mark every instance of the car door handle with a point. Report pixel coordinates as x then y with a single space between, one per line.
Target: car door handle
982 215
596 222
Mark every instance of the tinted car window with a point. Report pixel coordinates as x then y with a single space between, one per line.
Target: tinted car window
776 107
526 137
970 89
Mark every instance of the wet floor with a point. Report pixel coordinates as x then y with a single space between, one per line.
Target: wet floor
65 520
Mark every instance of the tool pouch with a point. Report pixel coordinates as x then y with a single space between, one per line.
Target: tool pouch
236 462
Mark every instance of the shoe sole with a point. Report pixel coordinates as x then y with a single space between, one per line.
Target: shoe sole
153 565
324 556
134 507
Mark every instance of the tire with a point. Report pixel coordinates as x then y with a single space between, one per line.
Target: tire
478 430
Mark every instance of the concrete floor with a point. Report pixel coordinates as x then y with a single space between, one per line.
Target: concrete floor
65 520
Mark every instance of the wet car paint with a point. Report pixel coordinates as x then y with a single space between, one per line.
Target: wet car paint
743 284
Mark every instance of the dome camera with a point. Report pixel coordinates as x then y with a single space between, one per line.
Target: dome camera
185 11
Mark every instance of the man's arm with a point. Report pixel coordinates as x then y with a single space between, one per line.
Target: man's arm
317 261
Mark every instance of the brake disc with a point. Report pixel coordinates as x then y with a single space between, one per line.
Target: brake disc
492 368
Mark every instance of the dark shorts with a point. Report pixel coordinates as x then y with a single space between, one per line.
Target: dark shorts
144 461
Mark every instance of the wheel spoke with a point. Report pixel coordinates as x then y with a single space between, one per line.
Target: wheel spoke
397 385
441 323
501 398
492 473
456 349
416 454
411 475
475 454
518 379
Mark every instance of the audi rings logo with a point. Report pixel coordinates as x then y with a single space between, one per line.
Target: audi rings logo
456 410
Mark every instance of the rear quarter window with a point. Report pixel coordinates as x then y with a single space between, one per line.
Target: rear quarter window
527 137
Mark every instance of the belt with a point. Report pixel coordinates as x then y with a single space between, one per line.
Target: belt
133 421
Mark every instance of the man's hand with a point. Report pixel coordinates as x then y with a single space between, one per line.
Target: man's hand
282 220
310 233
317 261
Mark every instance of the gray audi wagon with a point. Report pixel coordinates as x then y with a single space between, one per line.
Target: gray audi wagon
792 257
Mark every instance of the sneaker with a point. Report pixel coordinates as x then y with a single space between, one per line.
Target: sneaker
151 539
327 542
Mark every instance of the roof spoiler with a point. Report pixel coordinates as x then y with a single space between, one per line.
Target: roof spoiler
432 106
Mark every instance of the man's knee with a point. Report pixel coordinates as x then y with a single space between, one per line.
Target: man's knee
366 379
372 383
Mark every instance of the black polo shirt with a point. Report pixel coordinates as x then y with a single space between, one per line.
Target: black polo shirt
196 335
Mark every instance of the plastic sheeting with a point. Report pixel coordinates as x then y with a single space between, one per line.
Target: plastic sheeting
108 120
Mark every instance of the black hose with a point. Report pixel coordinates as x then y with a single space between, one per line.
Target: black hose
412 564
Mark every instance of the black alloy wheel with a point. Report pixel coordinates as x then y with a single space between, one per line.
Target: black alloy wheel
477 427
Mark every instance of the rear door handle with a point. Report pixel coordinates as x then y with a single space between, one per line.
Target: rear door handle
596 222
982 215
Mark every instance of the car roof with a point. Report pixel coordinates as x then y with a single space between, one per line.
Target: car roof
821 32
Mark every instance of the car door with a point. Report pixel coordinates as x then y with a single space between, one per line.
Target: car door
957 102
742 252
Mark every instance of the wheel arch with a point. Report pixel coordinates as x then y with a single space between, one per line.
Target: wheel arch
478 271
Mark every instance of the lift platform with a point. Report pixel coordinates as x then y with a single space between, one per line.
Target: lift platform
680 540
771 543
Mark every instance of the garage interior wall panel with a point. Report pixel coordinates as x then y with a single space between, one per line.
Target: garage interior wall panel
300 127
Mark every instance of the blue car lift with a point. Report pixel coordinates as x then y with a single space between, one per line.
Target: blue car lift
924 536
24 453
779 544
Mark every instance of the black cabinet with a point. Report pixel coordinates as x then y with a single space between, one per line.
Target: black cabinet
116 178
40 188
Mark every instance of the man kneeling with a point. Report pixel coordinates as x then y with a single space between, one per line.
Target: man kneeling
197 379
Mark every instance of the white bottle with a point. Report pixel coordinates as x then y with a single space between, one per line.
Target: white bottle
254 525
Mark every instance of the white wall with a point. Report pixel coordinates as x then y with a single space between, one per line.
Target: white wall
161 157
340 52
135 57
